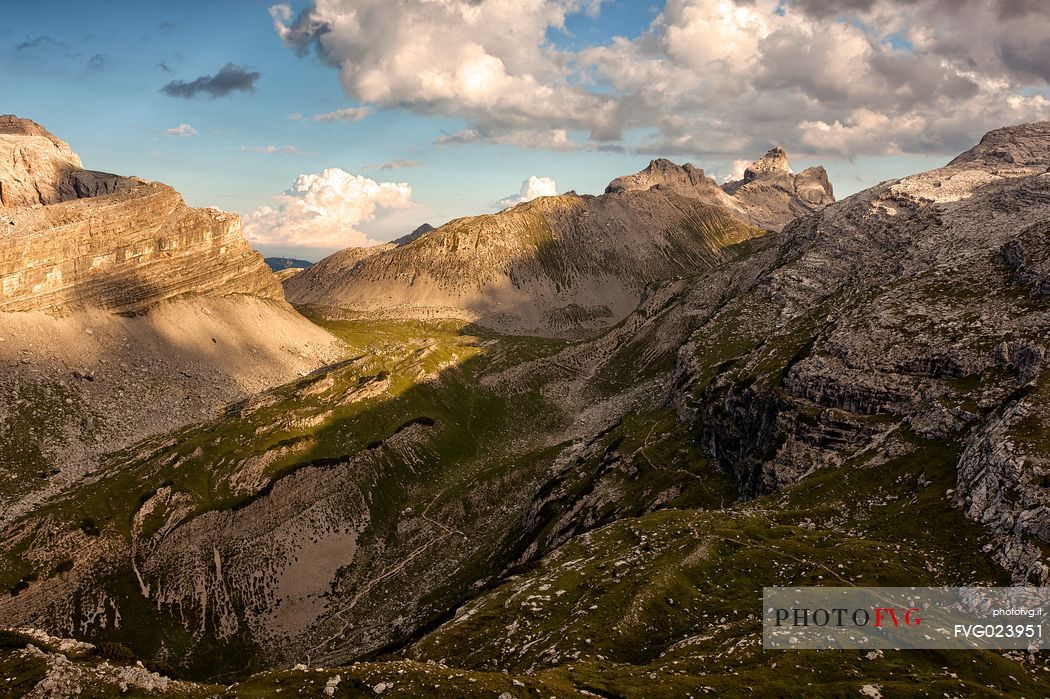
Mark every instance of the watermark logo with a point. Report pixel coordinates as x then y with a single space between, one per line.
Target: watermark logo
865 618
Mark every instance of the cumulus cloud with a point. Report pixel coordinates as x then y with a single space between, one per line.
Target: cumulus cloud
532 188
324 210
736 170
181 130
489 62
230 78
707 77
348 114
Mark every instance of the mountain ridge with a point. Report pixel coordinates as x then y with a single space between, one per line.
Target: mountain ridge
555 265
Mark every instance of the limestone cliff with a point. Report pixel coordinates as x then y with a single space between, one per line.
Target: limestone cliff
124 252
123 313
38 168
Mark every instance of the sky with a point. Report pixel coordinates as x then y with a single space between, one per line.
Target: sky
337 123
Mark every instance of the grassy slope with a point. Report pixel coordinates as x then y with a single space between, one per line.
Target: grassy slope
634 629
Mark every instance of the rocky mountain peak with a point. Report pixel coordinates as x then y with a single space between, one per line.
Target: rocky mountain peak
768 196
77 238
660 173
773 163
36 167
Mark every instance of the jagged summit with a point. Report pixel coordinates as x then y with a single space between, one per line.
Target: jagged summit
406 239
768 196
660 173
773 163
15 125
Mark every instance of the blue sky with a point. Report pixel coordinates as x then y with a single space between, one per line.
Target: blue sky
92 73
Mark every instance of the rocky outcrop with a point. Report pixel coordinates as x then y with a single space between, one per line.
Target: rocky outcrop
911 313
1029 257
406 239
772 196
72 238
38 168
769 196
683 179
125 252
1003 477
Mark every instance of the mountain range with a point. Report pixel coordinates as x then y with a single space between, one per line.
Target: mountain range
553 451
559 266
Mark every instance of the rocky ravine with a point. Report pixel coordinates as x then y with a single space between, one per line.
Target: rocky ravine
563 266
123 313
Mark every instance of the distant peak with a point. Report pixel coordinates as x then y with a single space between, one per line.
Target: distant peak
406 239
774 162
660 173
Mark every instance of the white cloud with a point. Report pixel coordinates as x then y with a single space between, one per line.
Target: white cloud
489 62
270 150
181 130
348 114
324 210
532 188
708 77
295 116
553 139
736 170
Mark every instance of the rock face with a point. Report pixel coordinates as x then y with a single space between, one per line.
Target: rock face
772 195
684 179
406 239
116 279
124 252
912 313
72 239
38 168
561 265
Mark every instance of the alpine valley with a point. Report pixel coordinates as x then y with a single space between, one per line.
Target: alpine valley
554 451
